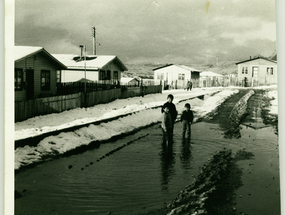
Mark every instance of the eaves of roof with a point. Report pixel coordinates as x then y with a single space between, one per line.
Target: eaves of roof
30 51
256 59
167 65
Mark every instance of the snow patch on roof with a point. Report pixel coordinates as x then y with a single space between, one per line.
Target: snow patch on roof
189 68
96 61
126 80
23 51
209 73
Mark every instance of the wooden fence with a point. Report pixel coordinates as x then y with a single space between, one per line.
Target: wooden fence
57 104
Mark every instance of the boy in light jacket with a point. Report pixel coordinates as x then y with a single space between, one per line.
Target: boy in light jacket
166 125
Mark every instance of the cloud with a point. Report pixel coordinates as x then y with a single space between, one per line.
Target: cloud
148 29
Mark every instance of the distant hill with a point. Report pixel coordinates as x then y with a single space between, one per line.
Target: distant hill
145 70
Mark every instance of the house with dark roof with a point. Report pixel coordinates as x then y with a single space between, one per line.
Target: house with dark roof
104 69
176 76
35 73
257 71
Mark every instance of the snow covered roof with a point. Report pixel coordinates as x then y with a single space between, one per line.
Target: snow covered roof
21 52
94 62
256 59
127 80
189 68
24 51
181 66
210 74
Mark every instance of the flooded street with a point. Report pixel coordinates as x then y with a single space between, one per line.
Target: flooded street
143 175
136 174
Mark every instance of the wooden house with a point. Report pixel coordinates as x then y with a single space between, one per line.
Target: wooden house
130 81
104 69
176 76
257 71
35 73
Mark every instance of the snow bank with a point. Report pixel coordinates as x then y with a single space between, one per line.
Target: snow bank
64 142
79 116
274 102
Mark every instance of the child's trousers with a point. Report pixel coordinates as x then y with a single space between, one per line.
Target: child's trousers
167 136
186 129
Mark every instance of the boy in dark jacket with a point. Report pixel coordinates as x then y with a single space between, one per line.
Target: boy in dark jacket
172 110
187 120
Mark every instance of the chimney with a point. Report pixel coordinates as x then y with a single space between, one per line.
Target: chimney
250 57
81 52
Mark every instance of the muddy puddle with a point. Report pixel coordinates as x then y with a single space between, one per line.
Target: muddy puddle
137 174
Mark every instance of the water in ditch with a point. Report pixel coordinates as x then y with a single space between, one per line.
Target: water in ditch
136 174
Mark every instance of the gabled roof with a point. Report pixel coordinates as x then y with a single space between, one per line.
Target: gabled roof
126 80
256 59
85 80
181 66
93 62
210 74
189 68
162 66
22 52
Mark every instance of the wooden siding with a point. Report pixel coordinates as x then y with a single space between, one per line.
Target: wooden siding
37 63
263 77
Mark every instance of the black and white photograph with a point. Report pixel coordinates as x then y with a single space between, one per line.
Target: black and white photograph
137 107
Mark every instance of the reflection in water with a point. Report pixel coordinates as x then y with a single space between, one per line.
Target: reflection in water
185 155
167 163
147 174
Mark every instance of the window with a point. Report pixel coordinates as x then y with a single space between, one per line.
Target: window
116 75
244 70
58 76
18 79
108 76
269 70
102 75
45 80
181 77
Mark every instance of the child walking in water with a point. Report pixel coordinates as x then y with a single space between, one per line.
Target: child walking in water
172 110
187 120
166 125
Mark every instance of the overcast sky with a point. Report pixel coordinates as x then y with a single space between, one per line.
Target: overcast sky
150 31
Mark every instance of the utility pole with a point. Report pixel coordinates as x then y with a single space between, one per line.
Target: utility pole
84 47
94 40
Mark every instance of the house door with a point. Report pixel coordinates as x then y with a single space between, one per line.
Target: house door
30 84
254 76
255 72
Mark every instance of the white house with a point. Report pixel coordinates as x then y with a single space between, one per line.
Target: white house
176 76
98 68
257 71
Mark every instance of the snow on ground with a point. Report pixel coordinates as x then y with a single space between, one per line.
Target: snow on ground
66 141
274 102
57 121
142 115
